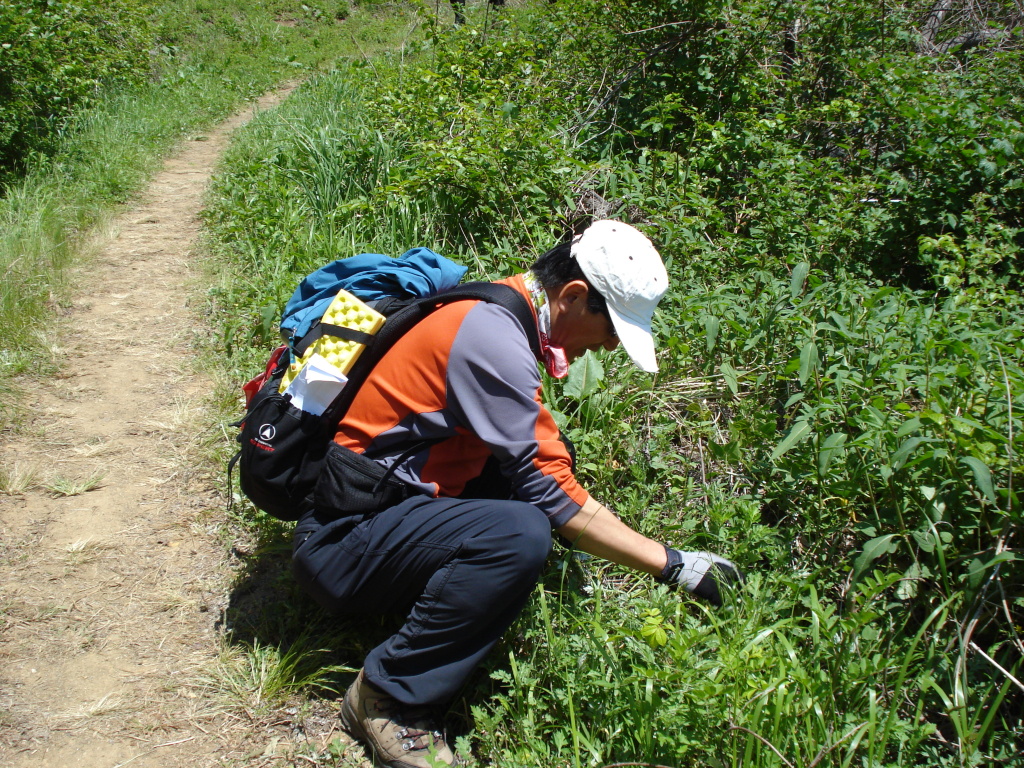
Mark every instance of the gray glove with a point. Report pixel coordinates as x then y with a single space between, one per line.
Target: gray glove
700 573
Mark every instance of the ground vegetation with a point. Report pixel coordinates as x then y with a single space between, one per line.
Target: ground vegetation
837 190
92 95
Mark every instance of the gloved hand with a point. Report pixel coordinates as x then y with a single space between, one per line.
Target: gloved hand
700 573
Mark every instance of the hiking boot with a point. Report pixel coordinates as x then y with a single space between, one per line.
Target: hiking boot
399 736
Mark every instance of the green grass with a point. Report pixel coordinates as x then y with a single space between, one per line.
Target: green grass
256 679
60 485
17 478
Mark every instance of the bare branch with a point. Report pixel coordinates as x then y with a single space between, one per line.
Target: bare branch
933 21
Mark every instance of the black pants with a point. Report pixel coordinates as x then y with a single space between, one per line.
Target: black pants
461 569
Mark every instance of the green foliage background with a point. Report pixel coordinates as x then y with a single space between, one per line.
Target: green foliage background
92 96
57 57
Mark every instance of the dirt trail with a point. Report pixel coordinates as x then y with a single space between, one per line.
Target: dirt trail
109 597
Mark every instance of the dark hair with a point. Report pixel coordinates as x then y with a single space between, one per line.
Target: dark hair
557 267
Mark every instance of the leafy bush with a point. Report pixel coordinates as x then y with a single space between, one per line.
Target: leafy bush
819 131
57 57
478 122
878 414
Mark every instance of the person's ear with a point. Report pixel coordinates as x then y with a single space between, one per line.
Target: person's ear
573 291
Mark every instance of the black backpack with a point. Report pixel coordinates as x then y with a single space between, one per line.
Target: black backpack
288 461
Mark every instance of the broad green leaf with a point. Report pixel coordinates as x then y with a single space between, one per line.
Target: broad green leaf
830 448
655 634
726 451
866 529
711 327
799 432
976 572
907 447
873 549
808 361
907 587
732 377
909 426
925 540
794 400
796 282
978 568
982 476
872 301
585 377
268 316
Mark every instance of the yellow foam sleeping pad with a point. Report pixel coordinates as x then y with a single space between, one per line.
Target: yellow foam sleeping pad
347 311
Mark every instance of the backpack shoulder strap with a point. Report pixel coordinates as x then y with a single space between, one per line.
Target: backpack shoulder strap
504 296
398 324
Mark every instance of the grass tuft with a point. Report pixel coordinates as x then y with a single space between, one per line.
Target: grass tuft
85 551
17 478
65 486
255 679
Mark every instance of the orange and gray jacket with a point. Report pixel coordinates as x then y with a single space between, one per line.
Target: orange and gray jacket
461 386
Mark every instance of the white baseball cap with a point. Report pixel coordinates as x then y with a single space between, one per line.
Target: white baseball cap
624 267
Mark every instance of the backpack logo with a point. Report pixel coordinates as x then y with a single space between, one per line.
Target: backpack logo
267 432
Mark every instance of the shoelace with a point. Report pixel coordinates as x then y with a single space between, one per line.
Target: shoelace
412 736
412 739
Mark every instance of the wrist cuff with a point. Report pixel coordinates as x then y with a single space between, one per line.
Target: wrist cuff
670 573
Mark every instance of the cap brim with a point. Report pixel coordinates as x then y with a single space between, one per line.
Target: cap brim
636 339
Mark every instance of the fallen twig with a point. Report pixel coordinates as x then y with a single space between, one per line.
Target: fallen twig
997 665
763 740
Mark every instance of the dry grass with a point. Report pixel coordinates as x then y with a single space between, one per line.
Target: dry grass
93 448
66 486
86 551
108 705
18 478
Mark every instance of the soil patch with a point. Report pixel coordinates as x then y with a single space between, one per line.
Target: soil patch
113 568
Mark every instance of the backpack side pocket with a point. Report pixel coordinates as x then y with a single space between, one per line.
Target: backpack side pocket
282 453
352 484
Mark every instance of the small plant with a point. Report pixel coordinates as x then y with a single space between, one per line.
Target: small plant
17 478
255 679
85 551
65 486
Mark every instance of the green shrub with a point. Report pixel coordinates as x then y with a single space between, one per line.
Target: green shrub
57 57
818 130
